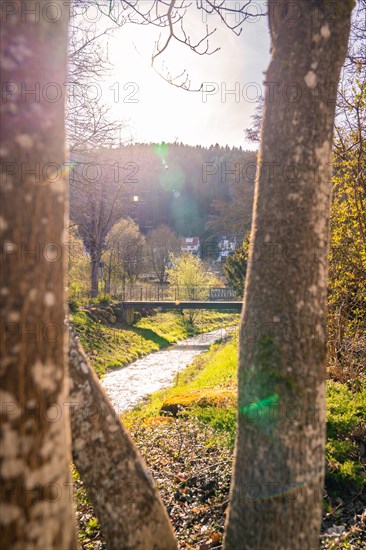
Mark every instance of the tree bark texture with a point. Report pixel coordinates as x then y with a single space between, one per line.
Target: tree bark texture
277 487
36 492
118 483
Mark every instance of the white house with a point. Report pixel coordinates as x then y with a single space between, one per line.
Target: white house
226 247
190 244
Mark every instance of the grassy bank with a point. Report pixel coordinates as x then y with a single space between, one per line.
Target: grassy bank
114 345
205 393
207 390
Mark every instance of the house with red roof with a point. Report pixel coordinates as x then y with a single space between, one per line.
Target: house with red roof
191 245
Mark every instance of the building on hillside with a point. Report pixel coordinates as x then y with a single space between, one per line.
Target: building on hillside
226 246
191 245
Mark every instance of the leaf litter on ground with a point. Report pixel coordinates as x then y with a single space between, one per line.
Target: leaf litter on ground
191 464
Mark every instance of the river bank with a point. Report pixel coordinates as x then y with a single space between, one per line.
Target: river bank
201 405
111 345
128 385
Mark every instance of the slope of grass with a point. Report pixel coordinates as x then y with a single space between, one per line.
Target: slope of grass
207 388
113 346
199 391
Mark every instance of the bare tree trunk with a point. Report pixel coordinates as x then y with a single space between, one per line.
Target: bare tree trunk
107 286
276 494
119 485
95 255
108 269
36 492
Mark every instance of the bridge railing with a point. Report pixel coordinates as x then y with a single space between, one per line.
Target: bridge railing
165 293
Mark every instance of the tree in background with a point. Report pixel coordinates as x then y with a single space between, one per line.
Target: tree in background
253 133
235 267
124 254
88 125
190 277
95 182
231 214
79 265
347 267
97 189
162 242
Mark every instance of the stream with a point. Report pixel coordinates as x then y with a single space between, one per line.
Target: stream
128 385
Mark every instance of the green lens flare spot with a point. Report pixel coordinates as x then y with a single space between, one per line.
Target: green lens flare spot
172 180
161 150
261 410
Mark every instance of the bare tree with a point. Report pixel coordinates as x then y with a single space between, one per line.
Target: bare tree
170 15
162 242
88 124
96 182
36 505
97 189
124 253
276 492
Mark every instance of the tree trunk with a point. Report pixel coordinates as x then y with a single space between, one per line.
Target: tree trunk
95 255
108 269
36 492
277 487
118 483
107 286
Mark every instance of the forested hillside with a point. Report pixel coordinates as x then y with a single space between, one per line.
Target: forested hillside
194 190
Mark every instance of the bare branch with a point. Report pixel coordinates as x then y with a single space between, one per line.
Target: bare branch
170 14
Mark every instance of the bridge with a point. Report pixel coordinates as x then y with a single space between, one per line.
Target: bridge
137 297
130 307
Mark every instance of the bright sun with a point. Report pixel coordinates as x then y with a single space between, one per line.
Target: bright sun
138 93
156 111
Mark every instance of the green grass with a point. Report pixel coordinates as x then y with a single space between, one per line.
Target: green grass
89 527
346 416
216 369
114 346
346 422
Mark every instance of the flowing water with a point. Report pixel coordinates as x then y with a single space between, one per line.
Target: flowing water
128 385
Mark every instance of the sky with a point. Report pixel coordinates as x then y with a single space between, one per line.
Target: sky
156 111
